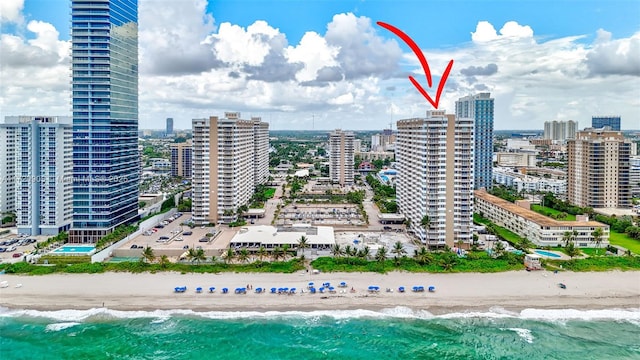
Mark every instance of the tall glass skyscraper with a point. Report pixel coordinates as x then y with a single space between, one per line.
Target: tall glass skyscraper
480 108
598 122
105 116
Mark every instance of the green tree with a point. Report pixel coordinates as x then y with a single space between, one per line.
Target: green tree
364 253
597 238
399 251
566 237
422 256
147 255
229 256
303 244
337 251
277 253
164 261
572 250
498 249
243 255
262 252
381 254
191 255
448 260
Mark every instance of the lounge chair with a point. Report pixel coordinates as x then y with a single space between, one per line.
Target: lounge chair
259 290
401 289
273 290
432 289
198 290
225 290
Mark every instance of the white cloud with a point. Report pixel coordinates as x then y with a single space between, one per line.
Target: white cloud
234 44
11 11
314 52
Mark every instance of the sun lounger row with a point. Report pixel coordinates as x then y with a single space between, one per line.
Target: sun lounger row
326 287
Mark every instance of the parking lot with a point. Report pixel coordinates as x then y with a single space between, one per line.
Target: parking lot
13 247
174 238
321 214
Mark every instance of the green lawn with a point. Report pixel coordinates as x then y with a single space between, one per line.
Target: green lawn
625 241
508 235
547 211
269 192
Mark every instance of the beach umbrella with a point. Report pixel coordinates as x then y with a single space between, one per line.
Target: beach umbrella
212 289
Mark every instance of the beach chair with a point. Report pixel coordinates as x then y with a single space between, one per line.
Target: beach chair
343 284
292 291
432 288
273 290
225 290
212 289
312 290
198 290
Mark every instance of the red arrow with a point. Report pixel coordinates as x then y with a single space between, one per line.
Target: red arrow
425 65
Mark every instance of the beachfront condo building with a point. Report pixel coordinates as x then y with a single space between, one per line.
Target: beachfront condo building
435 177
598 169
181 159
479 107
341 157
228 163
104 43
539 229
560 130
598 122
37 164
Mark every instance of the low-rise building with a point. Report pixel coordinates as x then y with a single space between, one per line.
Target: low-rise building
527 183
319 238
539 229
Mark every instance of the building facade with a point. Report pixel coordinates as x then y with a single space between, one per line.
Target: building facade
598 169
435 177
539 229
531 184
634 175
104 37
560 130
341 157
182 159
169 126
37 158
598 122
225 167
516 159
480 108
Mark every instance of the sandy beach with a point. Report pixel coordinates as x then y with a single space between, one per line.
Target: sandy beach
454 292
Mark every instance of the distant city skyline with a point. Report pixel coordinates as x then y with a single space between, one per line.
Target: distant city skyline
332 67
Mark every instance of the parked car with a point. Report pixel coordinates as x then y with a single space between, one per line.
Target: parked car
204 239
17 255
159 226
187 233
2 249
134 246
164 238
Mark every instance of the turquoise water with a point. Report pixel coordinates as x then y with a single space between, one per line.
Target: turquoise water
547 253
84 250
393 334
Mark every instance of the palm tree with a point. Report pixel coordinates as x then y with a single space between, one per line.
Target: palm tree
448 260
422 256
597 237
262 252
285 251
398 250
243 255
303 244
229 255
147 254
525 244
277 253
214 259
566 237
364 253
347 250
336 250
381 255
200 256
191 255
164 261
498 248
572 250
574 236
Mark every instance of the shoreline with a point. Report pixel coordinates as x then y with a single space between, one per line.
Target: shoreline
457 292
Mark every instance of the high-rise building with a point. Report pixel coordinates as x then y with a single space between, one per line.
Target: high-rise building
228 162
341 157
181 159
560 130
598 169
480 108
435 177
104 37
169 126
613 122
383 142
36 155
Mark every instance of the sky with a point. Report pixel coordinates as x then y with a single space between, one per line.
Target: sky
326 64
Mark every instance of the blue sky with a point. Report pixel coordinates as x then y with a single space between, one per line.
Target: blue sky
553 60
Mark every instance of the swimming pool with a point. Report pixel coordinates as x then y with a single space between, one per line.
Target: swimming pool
547 253
74 250
384 178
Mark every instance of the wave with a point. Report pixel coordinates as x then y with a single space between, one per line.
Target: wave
60 326
159 316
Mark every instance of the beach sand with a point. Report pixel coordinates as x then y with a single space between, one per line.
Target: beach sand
454 292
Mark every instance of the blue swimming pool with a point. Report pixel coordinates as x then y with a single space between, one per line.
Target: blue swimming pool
73 250
384 178
547 253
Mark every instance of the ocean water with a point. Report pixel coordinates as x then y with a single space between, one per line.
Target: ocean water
359 334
